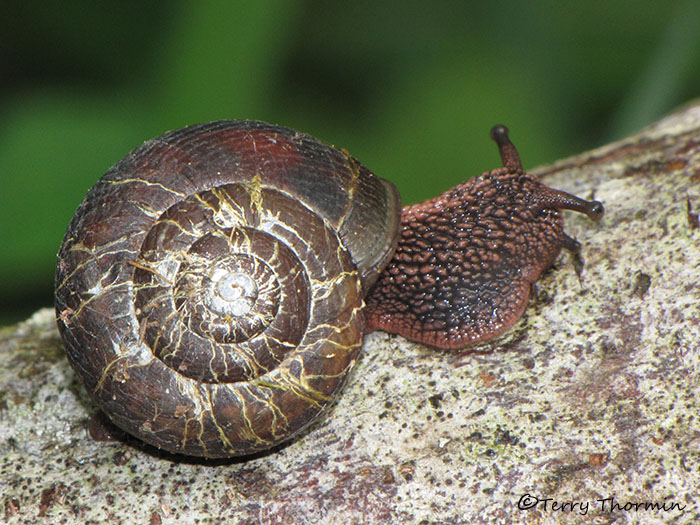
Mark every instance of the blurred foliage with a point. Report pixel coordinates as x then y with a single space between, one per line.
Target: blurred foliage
410 88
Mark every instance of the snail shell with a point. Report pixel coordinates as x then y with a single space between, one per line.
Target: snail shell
210 286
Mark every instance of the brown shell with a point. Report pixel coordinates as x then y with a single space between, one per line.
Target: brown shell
209 288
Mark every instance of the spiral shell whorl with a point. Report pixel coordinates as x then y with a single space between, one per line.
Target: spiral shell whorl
203 294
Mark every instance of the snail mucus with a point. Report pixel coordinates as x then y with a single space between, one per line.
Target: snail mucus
214 286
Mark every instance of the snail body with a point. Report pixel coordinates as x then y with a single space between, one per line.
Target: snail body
211 287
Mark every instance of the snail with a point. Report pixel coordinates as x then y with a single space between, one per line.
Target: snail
214 286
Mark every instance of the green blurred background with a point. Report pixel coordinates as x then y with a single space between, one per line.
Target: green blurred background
411 88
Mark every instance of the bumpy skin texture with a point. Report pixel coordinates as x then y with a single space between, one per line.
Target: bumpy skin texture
210 287
466 260
203 295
